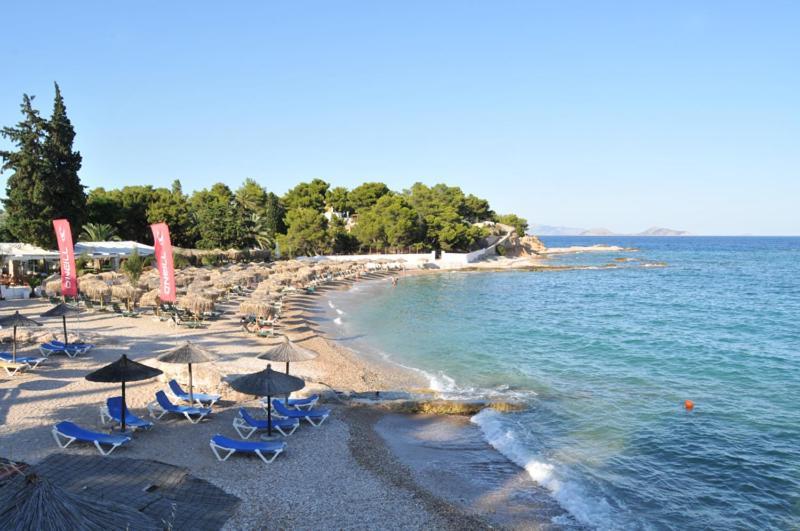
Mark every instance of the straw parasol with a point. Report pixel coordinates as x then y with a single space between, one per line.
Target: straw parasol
62 310
16 320
267 383
33 502
187 353
121 371
287 351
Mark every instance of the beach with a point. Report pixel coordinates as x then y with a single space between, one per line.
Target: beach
341 475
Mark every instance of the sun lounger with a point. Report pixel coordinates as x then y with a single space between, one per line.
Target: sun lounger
112 412
245 424
65 433
49 348
161 406
30 361
219 442
200 398
297 403
315 417
78 345
13 368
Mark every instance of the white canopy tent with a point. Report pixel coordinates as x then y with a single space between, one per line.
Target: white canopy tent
115 251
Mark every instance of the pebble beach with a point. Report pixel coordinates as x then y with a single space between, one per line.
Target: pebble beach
340 475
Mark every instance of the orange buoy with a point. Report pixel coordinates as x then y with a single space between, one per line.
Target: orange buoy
688 404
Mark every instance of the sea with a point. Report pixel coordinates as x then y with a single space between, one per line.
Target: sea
604 356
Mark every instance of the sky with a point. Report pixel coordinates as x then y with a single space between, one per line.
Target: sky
613 114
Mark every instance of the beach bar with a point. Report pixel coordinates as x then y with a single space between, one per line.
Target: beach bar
20 261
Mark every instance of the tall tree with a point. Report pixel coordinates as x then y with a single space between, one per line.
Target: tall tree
274 213
307 195
172 207
221 221
64 191
338 199
365 195
307 233
44 184
252 196
28 213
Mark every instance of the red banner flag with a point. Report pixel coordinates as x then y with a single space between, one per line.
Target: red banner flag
69 276
166 270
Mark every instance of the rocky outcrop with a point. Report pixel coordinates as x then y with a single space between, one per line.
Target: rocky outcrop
528 245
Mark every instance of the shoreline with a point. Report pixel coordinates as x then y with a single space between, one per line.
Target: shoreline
347 455
510 500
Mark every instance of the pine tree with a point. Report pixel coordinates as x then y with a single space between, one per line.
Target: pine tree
27 210
67 197
44 184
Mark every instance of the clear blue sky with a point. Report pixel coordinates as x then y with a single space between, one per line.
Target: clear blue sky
594 113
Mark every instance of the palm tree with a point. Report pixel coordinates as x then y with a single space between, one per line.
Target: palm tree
99 232
260 233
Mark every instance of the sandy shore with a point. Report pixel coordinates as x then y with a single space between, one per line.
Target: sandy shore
341 475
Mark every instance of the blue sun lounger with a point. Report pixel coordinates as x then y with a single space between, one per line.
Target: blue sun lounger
66 432
246 425
78 345
220 442
30 361
315 417
49 348
112 412
161 406
200 398
297 403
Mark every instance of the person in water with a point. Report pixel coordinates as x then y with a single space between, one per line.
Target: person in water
394 281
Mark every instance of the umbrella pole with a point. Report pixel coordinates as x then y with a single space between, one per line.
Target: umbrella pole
287 373
269 416
64 320
14 356
123 407
191 391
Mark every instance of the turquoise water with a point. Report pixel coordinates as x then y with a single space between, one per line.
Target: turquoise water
605 359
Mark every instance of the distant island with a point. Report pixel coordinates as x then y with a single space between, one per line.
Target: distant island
551 230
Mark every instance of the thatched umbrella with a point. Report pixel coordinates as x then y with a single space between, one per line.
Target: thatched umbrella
62 310
96 290
17 320
287 351
52 287
267 383
149 298
121 371
33 502
123 292
187 353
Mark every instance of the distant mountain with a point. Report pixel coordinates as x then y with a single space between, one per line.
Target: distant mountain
554 230
598 232
661 231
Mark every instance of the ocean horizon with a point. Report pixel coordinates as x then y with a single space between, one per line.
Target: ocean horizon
604 358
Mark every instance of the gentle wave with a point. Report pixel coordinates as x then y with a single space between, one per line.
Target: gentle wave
572 496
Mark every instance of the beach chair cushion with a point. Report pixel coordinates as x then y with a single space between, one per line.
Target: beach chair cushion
245 424
162 406
71 432
113 411
50 348
297 403
30 361
201 398
315 417
219 442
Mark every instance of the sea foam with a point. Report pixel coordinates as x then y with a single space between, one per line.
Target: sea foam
569 494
